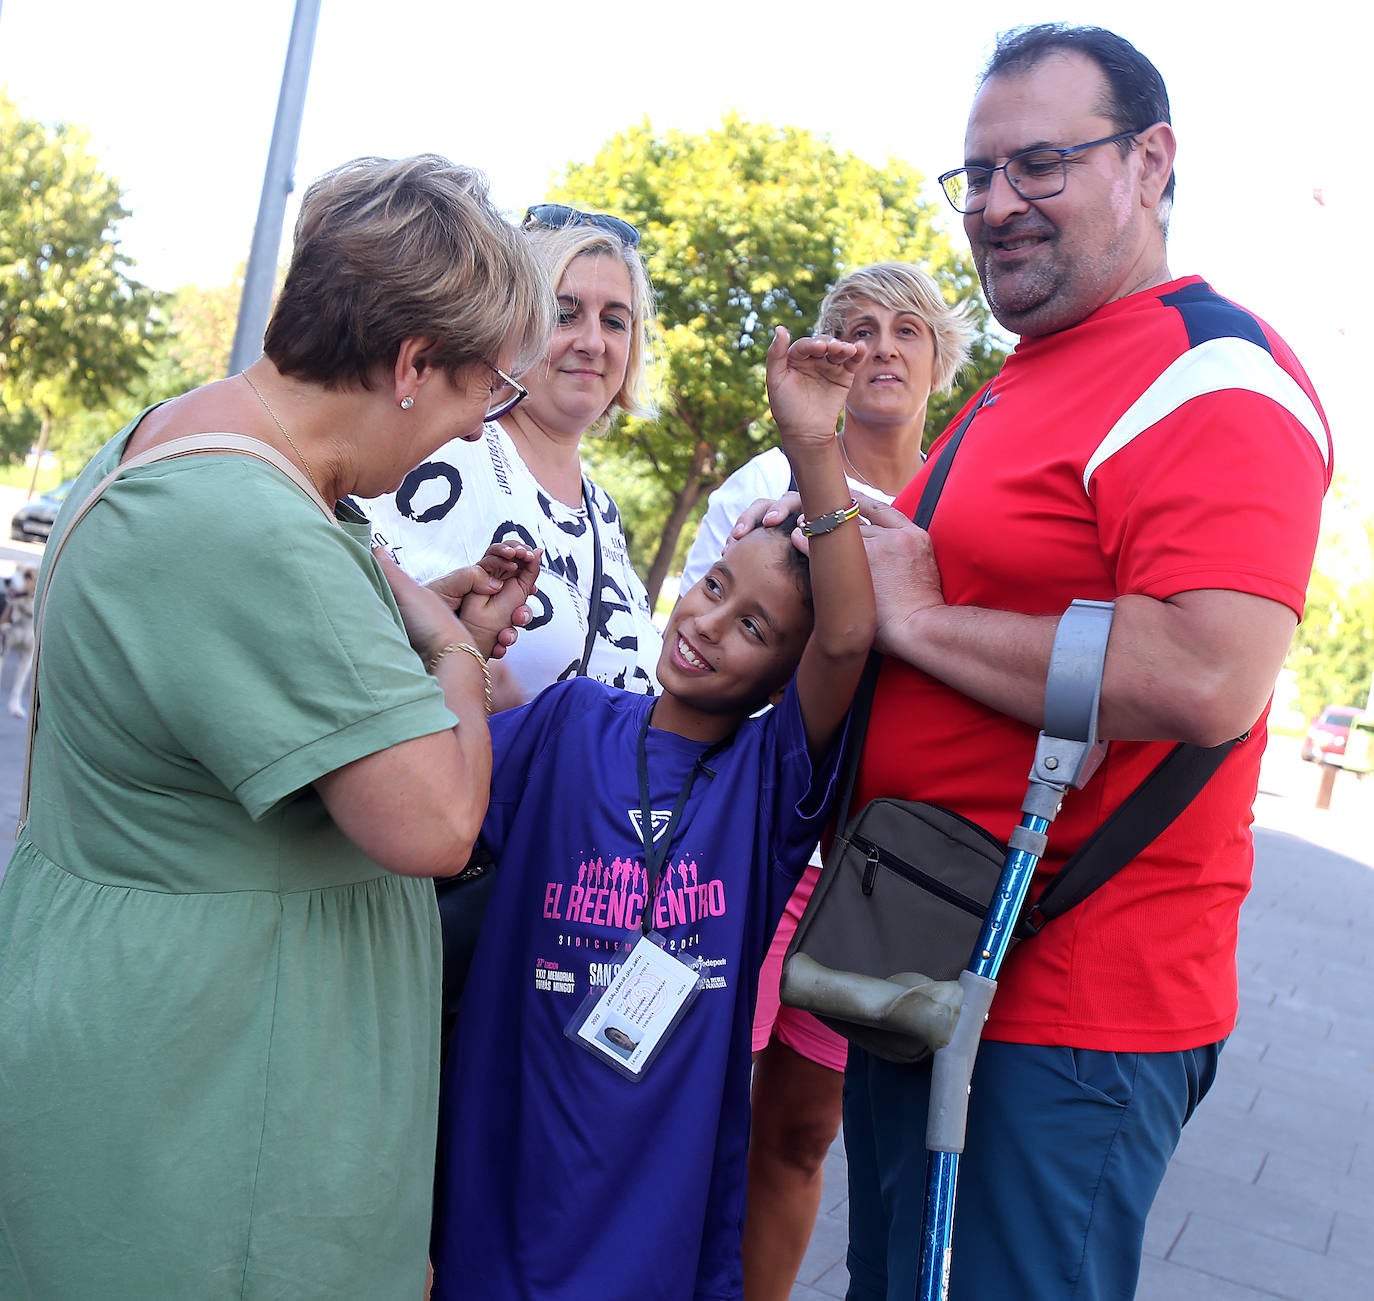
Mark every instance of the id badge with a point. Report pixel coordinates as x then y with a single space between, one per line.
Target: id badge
627 1023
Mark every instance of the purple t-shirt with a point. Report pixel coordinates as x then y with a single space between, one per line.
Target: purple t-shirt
562 1178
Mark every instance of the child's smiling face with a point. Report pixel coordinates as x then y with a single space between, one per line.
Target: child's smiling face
735 638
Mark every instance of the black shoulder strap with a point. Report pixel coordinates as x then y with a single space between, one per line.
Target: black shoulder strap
594 610
1139 819
863 694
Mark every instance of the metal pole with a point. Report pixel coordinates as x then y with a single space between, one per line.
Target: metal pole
260 278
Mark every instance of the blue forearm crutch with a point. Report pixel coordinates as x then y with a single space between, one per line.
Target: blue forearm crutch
1066 756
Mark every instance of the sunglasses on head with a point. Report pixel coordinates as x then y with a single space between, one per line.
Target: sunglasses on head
555 216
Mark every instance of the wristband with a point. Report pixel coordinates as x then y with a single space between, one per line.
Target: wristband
828 523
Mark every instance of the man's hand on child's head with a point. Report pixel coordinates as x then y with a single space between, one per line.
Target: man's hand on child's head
765 512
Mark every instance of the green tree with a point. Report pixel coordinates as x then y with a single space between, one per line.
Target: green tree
1333 648
745 227
190 347
19 431
200 332
74 327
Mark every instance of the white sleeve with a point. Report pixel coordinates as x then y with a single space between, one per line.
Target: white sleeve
767 475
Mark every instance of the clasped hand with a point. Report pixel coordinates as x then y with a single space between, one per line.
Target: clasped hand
485 603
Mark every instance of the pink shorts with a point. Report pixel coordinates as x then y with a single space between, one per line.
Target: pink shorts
799 1030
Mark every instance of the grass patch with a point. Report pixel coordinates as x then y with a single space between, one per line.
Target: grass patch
18 476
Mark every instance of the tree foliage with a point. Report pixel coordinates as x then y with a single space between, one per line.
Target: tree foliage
1333 648
75 328
19 430
200 332
744 227
190 347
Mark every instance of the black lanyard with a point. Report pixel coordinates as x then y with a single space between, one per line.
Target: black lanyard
594 605
656 848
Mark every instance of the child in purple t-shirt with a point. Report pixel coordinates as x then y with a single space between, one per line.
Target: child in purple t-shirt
595 1111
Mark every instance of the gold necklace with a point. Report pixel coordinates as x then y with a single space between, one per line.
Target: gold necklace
290 442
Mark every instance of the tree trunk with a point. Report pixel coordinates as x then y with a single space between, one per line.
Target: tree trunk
702 460
44 428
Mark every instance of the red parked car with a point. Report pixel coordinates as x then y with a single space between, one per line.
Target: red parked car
1324 741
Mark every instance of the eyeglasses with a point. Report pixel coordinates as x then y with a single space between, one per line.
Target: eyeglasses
557 215
1034 174
506 398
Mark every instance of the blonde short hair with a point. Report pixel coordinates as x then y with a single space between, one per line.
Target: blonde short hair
902 287
387 250
556 248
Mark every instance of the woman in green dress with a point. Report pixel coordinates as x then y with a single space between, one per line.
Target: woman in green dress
219 962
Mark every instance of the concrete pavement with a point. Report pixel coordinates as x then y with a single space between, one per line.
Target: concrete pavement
1271 1193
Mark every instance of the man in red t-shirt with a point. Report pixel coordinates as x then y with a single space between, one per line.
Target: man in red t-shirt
1148 443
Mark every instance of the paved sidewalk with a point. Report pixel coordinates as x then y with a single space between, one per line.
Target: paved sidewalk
1271 1191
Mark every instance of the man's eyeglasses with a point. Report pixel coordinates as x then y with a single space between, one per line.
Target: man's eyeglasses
557 215
1034 174
507 397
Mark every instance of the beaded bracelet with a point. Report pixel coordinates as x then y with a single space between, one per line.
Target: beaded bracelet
828 523
472 650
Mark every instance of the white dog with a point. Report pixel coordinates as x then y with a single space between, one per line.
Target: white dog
16 635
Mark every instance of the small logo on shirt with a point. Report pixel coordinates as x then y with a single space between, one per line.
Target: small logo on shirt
658 823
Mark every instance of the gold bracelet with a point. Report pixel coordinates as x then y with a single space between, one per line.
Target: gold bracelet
472 650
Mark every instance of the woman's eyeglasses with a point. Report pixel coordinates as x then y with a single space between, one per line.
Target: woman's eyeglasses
555 216
505 396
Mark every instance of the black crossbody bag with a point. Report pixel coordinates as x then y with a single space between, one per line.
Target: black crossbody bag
906 884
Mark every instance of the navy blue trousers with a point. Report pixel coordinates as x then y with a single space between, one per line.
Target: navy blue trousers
1065 1152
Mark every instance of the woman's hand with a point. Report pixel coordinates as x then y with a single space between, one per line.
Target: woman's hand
808 382
493 615
429 620
502 562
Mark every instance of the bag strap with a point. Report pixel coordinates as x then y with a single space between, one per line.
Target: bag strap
862 707
594 610
191 445
1141 817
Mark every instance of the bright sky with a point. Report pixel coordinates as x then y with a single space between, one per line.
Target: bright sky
180 96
